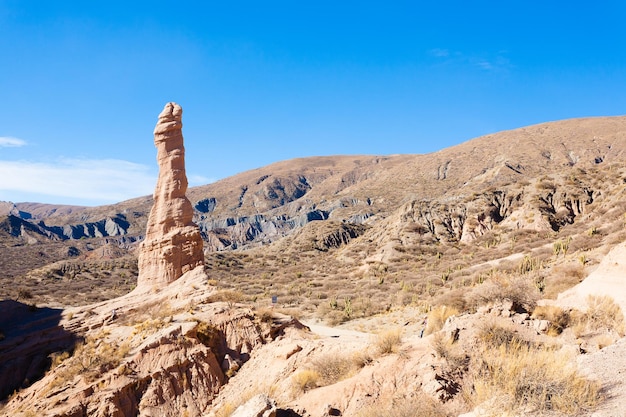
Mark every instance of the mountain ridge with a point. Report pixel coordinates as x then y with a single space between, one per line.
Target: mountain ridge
540 177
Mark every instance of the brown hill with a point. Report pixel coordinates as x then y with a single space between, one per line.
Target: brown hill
480 238
527 183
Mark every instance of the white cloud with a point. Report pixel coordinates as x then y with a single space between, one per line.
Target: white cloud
9 142
195 180
497 62
87 180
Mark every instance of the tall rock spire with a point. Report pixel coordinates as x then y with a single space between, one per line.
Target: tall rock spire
173 244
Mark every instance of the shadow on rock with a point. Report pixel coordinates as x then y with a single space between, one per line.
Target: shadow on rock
31 335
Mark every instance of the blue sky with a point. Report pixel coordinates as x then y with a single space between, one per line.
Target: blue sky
82 82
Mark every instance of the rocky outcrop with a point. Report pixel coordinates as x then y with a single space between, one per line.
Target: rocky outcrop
173 244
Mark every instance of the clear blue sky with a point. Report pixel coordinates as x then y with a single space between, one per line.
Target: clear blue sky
82 82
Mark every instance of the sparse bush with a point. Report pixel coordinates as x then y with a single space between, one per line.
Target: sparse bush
452 298
90 359
519 289
58 358
493 335
562 278
24 294
441 345
305 380
559 319
362 358
150 326
456 362
265 315
333 367
231 297
437 318
518 377
209 336
388 341
602 314
406 407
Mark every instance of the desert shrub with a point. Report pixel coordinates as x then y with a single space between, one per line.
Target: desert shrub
529 264
437 318
559 319
150 326
563 278
24 294
361 358
456 361
603 340
58 358
91 358
406 407
332 367
602 314
305 380
388 341
518 377
441 345
210 336
454 299
521 290
231 297
493 335
265 315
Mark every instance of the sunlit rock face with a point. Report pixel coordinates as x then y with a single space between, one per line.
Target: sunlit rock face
173 244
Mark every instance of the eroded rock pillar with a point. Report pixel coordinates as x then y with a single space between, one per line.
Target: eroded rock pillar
173 244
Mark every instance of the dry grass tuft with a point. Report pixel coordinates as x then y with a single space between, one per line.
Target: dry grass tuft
517 377
437 318
305 380
603 313
493 335
563 278
332 368
388 341
559 319
91 358
406 407
231 297
328 369
209 336
521 290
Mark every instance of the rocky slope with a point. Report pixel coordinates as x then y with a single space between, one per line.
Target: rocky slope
264 204
471 237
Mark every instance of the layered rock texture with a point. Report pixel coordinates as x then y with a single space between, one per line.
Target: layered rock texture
173 244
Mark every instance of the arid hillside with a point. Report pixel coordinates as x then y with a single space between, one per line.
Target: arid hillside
484 279
503 194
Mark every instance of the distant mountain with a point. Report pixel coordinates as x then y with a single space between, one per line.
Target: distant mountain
539 178
265 204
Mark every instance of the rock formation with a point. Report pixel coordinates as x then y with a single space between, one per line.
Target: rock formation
173 244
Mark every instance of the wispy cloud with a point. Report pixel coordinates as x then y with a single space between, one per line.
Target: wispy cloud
9 142
495 62
195 180
87 180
